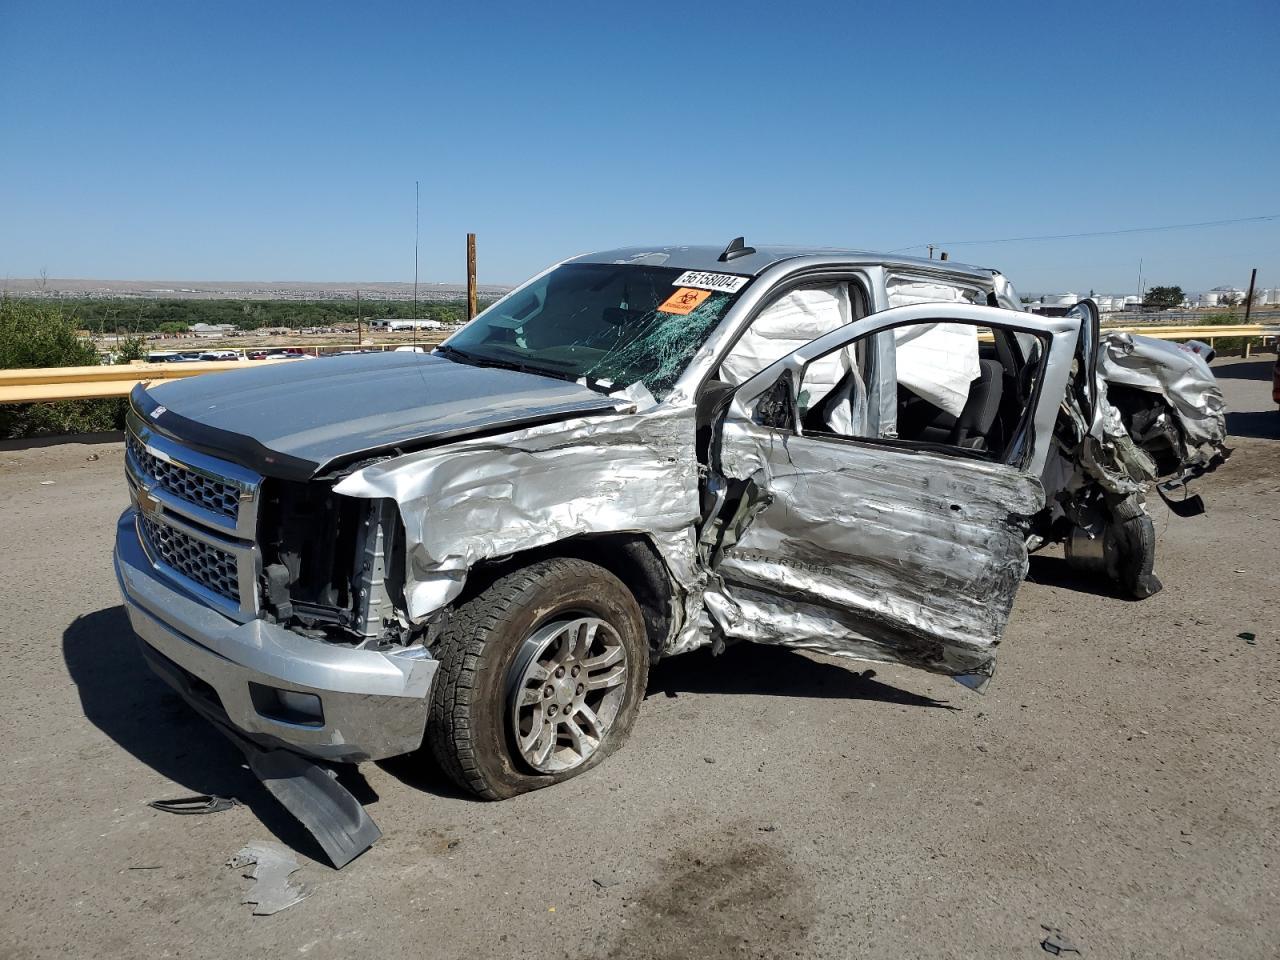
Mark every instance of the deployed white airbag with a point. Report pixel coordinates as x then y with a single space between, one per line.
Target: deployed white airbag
788 324
938 361
785 326
903 292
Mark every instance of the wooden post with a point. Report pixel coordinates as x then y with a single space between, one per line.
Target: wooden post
471 276
1248 303
1248 307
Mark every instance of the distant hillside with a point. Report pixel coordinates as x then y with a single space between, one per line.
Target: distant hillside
236 289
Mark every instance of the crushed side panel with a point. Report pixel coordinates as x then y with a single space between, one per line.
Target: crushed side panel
487 498
874 554
1183 379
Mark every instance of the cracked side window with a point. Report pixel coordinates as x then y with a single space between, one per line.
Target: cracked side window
612 323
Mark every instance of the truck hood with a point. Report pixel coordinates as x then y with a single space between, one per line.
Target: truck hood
299 418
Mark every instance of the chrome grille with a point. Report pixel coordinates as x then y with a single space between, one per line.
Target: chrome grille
215 495
214 569
197 517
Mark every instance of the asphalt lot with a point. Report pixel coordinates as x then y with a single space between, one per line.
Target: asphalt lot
1118 780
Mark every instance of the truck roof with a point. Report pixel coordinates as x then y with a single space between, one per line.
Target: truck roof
697 257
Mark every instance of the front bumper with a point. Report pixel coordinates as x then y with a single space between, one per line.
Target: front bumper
372 705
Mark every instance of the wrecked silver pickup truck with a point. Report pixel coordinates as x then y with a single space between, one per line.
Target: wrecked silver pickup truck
635 454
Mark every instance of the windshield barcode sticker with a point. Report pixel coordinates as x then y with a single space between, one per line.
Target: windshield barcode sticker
724 282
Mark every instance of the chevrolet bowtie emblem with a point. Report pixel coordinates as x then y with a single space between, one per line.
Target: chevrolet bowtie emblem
148 503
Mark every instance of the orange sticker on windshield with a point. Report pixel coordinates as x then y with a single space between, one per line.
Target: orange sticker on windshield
685 300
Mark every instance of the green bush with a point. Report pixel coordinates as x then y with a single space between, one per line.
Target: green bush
1225 346
100 315
36 335
129 349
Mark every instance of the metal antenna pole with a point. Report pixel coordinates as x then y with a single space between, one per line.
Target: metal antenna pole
415 262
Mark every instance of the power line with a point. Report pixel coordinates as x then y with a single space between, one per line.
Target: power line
1094 233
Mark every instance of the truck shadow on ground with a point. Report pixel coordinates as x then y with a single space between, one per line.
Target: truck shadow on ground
1254 370
744 668
1260 424
1053 571
125 700
747 668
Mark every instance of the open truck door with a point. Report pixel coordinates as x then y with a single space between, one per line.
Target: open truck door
906 548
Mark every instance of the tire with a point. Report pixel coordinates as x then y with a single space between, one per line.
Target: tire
1136 541
488 645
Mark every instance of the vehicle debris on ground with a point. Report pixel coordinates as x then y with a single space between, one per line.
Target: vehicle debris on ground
271 867
197 805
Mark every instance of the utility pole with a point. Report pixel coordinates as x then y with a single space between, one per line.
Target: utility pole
471 276
359 333
1248 303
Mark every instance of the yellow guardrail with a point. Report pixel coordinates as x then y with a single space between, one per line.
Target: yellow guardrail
92 383
1198 333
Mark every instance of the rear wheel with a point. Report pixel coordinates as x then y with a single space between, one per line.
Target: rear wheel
1119 543
1135 537
541 677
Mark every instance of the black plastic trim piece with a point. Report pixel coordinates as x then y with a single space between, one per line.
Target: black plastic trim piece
306 789
219 443
737 248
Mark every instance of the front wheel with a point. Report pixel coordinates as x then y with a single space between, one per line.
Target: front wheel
541 677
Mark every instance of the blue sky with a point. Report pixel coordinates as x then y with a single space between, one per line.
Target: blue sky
281 140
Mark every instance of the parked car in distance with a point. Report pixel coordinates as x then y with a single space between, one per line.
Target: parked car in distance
1275 378
219 355
273 353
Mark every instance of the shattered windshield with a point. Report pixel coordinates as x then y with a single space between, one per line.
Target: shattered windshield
613 324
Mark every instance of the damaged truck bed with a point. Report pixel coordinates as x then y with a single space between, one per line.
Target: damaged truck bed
474 556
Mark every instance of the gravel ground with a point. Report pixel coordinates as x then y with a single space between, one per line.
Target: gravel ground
1118 780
